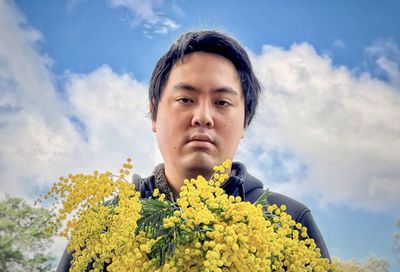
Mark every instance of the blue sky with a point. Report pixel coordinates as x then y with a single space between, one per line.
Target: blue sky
73 97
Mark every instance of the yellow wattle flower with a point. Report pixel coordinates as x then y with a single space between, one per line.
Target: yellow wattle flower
109 226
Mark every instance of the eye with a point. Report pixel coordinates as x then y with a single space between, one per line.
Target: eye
222 103
184 100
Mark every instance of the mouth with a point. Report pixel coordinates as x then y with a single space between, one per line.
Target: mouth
201 141
201 138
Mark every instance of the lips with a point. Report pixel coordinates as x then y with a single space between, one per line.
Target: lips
201 138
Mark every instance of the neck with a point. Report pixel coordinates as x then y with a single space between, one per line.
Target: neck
175 177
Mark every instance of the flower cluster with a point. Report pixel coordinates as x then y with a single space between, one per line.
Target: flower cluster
204 229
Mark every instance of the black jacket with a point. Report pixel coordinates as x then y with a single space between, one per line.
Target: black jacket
249 189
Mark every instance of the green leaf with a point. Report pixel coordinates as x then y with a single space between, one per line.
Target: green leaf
152 215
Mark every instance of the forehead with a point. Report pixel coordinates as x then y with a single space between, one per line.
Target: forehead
206 70
202 57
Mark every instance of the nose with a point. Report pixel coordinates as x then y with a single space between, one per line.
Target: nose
203 116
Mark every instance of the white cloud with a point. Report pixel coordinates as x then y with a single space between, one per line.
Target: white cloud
102 122
39 128
391 69
384 56
146 13
340 132
113 111
33 129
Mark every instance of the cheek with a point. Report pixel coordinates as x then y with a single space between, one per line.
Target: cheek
233 131
167 131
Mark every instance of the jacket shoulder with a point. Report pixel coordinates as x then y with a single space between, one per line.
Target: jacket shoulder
293 207
253 188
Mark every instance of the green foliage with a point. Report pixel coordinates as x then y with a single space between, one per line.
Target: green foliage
152 214
23 238
372 264
263 200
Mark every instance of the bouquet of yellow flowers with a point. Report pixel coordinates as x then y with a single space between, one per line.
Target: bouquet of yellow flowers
110 228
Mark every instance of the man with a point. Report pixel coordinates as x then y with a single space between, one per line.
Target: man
203 95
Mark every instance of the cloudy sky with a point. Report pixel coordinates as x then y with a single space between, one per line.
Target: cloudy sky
73 97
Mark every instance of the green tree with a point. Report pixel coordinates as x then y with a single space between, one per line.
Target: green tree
23 241
372 264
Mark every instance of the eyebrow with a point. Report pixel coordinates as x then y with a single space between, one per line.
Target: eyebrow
187 87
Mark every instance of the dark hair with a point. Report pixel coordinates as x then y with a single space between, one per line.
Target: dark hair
210 42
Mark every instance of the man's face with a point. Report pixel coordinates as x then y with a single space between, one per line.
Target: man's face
200 118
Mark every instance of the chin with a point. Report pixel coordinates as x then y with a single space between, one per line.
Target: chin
200 165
